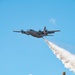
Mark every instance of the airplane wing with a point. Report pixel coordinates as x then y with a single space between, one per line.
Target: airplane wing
53 31
22 31
17 31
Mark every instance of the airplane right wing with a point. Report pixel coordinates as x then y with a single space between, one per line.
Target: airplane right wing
53 31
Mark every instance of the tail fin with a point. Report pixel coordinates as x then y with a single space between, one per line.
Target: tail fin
45 28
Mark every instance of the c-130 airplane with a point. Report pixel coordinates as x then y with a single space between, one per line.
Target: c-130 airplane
38 34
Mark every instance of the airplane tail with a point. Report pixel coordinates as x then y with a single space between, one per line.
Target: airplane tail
45 30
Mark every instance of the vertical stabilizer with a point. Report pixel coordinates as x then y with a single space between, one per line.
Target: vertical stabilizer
45 28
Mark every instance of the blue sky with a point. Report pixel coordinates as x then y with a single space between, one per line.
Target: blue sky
26 55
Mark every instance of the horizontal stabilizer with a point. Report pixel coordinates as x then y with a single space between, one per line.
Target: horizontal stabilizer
57 30
49 35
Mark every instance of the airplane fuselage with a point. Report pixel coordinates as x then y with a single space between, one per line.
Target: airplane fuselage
35 34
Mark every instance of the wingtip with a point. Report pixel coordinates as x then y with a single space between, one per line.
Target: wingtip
16 31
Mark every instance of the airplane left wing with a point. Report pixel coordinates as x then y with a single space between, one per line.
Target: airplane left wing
22 31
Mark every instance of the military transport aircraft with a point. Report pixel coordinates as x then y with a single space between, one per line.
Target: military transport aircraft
38 34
